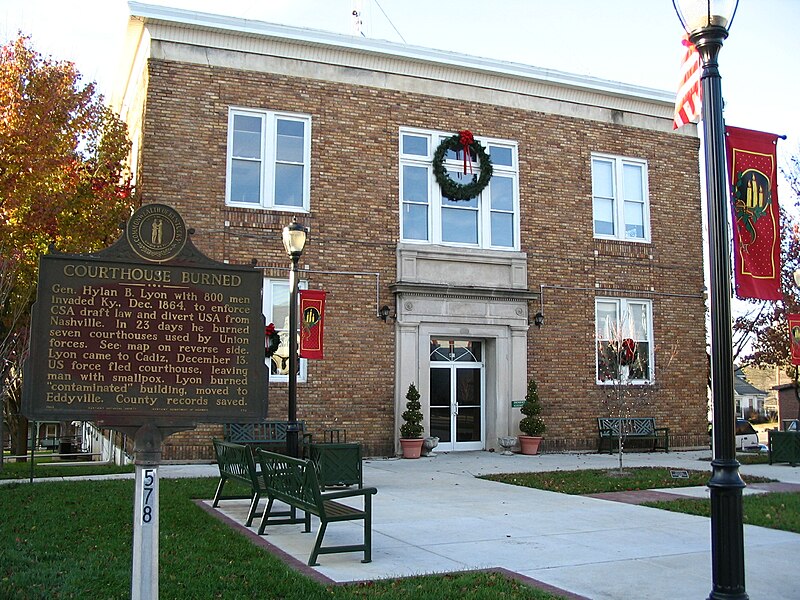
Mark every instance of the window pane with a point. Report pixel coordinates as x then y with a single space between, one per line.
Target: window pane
245 181
415 221
280 306
290 140
415 184
501 156
289 185
603 216
459 226
632 182
246 136
637 315
640 369
415 144
502 189
503 229
602 179
634 220
606 319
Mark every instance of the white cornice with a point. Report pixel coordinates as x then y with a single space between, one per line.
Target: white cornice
182 33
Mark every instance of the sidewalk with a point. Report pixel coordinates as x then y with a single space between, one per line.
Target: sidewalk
433 515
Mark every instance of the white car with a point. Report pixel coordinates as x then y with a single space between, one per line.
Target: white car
746 436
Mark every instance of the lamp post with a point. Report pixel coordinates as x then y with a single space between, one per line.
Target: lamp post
707 23
294 240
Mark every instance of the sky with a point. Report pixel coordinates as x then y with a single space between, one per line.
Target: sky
632 41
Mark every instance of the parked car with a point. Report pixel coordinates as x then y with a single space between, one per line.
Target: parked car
746 435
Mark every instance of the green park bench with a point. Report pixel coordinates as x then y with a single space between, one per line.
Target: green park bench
236 463
295 482
634 428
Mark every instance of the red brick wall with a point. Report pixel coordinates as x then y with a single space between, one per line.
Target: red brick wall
354 227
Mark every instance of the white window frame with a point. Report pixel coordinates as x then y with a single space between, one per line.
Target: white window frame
267 299
623 311
435 203
618 163
269 133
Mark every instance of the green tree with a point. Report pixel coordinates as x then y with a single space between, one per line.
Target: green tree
532 424
412 427
63 184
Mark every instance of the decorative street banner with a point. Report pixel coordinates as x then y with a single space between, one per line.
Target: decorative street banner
312 309
149 330
794 337
756 220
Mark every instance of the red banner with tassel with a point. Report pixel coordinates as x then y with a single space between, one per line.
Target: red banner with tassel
312 311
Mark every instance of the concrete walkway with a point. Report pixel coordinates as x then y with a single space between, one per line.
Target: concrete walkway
433 515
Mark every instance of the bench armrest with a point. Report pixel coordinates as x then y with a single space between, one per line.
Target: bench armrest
664 429
349 493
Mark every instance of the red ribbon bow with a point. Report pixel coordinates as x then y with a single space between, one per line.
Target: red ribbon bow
466 139
269 330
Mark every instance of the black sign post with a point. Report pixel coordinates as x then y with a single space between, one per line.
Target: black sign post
149 336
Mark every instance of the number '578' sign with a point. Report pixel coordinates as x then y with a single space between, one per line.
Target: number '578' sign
148 496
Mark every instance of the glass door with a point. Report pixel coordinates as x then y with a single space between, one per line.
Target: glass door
456 402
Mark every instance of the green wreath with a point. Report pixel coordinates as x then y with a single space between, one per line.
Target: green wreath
452 189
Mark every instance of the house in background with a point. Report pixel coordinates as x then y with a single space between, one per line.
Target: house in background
750 400
591 218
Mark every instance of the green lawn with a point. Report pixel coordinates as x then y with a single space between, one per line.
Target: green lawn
593 481
779 510
73 540
46 467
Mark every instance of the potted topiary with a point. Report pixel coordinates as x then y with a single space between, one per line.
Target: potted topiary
411 431
532 425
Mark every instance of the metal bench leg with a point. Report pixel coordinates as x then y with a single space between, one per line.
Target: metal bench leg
312 560
265 517
253 507
218 493
367 529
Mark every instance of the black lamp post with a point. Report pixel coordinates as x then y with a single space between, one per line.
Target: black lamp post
707 23
294 240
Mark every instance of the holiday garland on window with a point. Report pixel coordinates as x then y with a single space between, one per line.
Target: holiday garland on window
465 142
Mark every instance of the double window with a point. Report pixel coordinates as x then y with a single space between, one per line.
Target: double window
269 154
489 220
619 198
624 340
276 310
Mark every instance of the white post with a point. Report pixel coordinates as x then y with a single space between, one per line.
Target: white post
144 576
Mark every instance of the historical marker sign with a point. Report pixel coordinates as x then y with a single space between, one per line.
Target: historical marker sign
148 330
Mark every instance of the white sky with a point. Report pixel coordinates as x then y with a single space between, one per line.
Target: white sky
634 41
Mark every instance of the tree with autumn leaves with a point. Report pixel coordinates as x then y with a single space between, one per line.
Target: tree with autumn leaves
63 185
761 335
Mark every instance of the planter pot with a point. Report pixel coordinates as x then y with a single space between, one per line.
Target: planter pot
412 447
428 444
529 444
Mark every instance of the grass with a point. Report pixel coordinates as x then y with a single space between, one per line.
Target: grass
44 467
594 481
779 510
62 540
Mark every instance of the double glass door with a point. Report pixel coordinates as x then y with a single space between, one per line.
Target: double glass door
457 394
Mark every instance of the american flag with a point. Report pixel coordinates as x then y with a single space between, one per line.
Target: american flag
688 101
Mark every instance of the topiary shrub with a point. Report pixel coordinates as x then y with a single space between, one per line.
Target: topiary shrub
532 424
412 428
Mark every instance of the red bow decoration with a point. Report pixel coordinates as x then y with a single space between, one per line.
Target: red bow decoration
273 340
466 139
627 352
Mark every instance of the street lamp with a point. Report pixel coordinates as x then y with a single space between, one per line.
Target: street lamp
294 240
707 23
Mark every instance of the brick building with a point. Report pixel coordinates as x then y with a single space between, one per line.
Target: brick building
591 217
